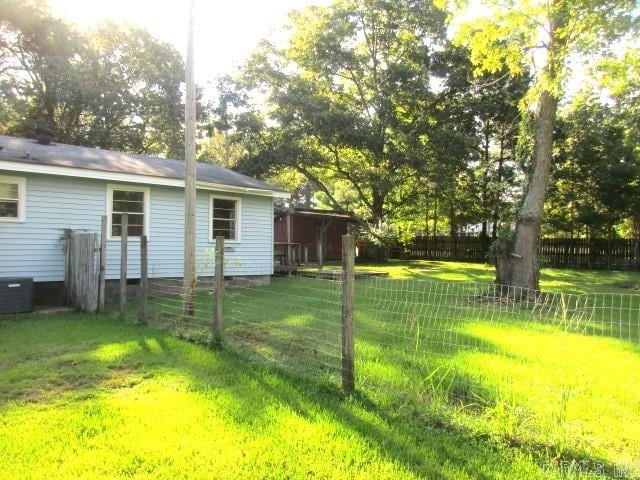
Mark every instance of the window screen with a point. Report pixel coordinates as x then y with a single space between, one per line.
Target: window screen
9 199
225 218
132 203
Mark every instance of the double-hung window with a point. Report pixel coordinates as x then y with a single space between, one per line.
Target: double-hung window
12 199
134 201
225 218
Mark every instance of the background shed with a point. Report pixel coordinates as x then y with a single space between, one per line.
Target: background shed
320 231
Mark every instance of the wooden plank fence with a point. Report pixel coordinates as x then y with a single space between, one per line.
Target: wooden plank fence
81 270
459 249
595 253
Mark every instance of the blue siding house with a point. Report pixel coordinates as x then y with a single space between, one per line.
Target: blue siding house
46 189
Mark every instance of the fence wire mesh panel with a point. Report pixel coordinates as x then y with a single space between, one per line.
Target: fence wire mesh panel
543 368
294 321
169 308
546 368
291 321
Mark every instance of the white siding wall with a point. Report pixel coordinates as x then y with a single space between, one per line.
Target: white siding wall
35 248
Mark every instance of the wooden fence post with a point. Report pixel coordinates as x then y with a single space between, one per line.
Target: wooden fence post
124 238
144 281
102 264
348 299
219 293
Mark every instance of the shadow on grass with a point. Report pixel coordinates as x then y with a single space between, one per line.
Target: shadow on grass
402 433
82 357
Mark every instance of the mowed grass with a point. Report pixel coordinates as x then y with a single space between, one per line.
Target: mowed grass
469 394
92 397
551 279
559 385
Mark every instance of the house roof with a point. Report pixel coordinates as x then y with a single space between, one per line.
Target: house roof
316 213
28 151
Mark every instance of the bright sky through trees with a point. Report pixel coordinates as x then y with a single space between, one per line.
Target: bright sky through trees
226 31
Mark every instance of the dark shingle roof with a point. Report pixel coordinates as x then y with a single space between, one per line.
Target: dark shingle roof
61 155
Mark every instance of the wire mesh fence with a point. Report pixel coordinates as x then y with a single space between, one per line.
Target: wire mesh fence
296 320
545 364
467 341
168 308
293 321
433 316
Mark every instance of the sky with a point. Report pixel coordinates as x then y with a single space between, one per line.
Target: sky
226 31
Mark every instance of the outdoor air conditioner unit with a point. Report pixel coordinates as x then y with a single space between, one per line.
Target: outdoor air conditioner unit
16 294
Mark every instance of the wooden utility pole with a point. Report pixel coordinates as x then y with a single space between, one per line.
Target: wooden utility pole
348 300
124 239
190 176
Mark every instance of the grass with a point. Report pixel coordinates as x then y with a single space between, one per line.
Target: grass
83 396
551 279
89 397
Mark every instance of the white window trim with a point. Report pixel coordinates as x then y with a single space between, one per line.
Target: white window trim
238 217
128 188
22 199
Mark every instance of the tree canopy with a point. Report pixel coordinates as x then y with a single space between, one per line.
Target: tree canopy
412 115
114 86
350 99
541 36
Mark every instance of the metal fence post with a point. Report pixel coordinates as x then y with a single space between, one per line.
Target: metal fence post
124 238
348 299
219 292
144 281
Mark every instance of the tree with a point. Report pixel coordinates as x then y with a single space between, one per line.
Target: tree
220 148
595 173
221 145
42 79
113 87
496 99
135 100
619 74
350 99
544 34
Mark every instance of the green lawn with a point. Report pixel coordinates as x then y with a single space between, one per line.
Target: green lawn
468 395
552 279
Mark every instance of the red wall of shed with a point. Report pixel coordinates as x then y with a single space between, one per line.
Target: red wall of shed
304 231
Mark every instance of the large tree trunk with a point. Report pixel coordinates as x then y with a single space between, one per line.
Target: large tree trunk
519 266
377 208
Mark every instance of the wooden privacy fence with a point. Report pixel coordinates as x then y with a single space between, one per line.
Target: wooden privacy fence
85 271
81 272
461 249
596 253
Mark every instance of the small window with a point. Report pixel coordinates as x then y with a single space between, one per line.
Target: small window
12 199
225 218
132 201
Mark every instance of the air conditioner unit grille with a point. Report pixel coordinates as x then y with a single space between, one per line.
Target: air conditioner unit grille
16 294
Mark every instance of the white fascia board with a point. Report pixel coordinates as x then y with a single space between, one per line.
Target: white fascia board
130 178
252 191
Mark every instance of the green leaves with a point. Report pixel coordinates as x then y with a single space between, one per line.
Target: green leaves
350 98
114 87
596 171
